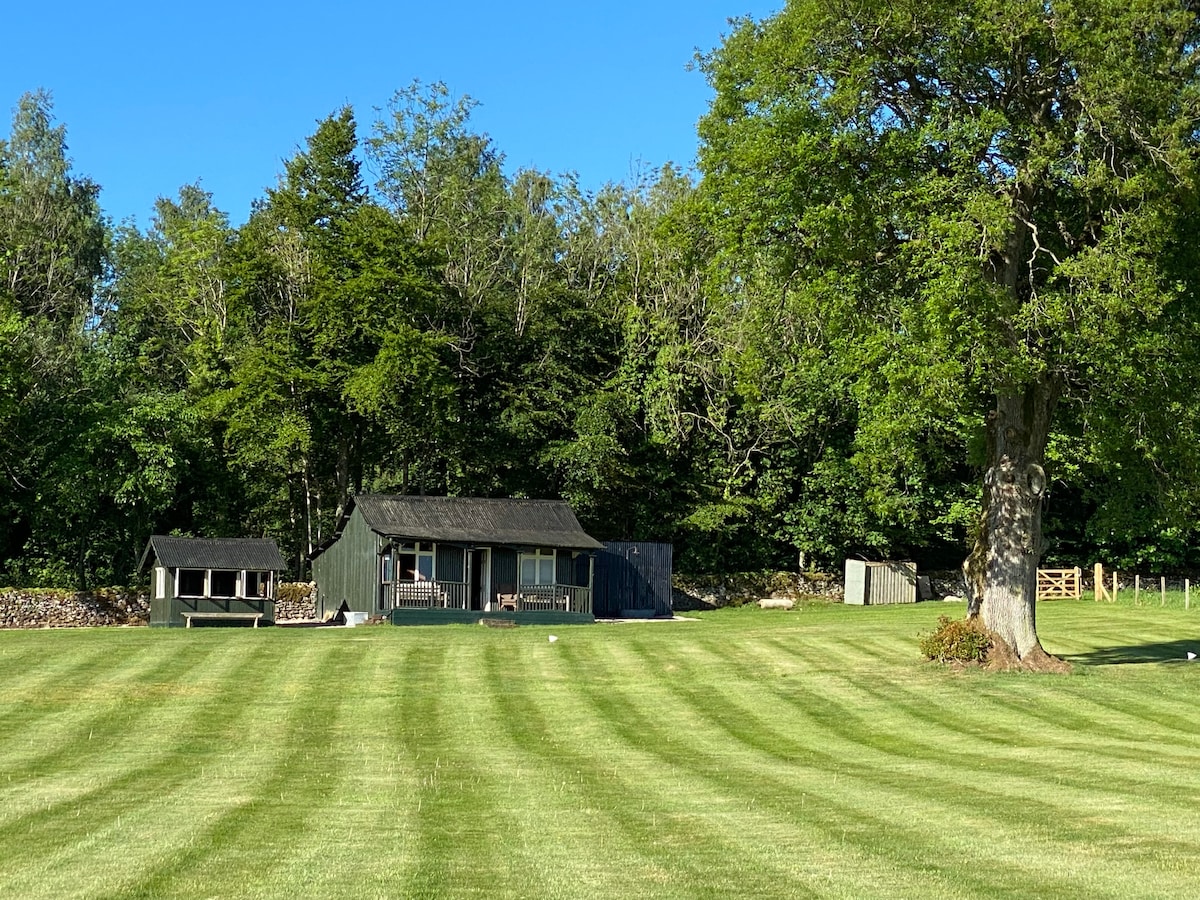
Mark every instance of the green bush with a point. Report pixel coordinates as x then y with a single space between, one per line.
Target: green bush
957 640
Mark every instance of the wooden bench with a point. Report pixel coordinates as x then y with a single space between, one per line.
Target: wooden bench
543 598
418 594
240 616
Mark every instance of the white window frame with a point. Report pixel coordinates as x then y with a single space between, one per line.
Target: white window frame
538 557
264 580
240 586
422 551
204 591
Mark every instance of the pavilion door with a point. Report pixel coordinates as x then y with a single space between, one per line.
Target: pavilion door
480 578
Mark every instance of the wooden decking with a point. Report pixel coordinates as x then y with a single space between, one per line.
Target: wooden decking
438 616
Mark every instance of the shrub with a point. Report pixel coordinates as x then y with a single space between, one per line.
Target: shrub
957 640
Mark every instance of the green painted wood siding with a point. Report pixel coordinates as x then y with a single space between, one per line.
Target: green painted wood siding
168 613
572 568
348 570
504 571
469 617
450 563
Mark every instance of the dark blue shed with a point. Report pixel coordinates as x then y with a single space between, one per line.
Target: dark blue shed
633 580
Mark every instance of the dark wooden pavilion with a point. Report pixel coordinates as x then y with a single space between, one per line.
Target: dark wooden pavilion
426 560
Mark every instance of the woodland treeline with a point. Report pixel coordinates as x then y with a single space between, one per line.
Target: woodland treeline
400 313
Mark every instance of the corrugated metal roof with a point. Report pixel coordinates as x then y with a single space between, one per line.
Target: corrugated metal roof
474 520
214 553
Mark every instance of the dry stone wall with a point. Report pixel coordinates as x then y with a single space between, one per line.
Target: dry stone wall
737 589
47 608
296 600
51 608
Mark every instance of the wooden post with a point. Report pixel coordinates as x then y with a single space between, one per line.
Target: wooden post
591 605
1115 585
1137 590
1187 593
1162 590
1098 582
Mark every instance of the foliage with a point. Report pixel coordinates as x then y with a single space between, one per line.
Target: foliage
293 591
961 218
785 364
957 640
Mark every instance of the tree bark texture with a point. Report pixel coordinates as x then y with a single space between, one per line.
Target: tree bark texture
1002 568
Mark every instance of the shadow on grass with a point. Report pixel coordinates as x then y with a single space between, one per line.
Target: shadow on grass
1166 651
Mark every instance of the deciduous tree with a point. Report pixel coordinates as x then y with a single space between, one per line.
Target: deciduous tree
986 208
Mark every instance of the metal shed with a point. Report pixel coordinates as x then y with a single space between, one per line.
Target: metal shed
877 583
223 580
633 580
427 560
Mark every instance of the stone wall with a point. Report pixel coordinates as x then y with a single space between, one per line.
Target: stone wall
740 588
295 600
737 589
49 608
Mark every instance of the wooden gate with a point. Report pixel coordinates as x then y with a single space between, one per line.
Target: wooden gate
1059 584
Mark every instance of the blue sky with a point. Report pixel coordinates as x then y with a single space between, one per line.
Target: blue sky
155 96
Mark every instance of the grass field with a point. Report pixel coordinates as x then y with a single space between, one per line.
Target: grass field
749 754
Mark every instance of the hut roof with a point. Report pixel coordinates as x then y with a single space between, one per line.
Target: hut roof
213 553
525 523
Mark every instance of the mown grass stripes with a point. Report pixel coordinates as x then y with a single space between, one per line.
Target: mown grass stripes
752 753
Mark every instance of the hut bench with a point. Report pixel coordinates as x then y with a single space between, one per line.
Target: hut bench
188 616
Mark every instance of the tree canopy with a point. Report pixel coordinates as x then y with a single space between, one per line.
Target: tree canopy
983 214
936 283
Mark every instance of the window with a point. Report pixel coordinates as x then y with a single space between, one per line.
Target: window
415 562
191 583
224 584
537 567
386 575
257 584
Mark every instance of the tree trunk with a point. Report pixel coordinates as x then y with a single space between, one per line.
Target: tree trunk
1002 568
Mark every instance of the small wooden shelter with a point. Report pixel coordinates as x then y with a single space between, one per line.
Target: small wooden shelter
427 560
195 580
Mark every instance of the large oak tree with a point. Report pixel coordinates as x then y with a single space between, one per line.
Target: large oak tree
985 209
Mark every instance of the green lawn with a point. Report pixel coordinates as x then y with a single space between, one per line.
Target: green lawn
748 754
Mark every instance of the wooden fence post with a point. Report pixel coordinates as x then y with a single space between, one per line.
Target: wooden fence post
1098 582
1137 590
1115 586
1162 590
1187 593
